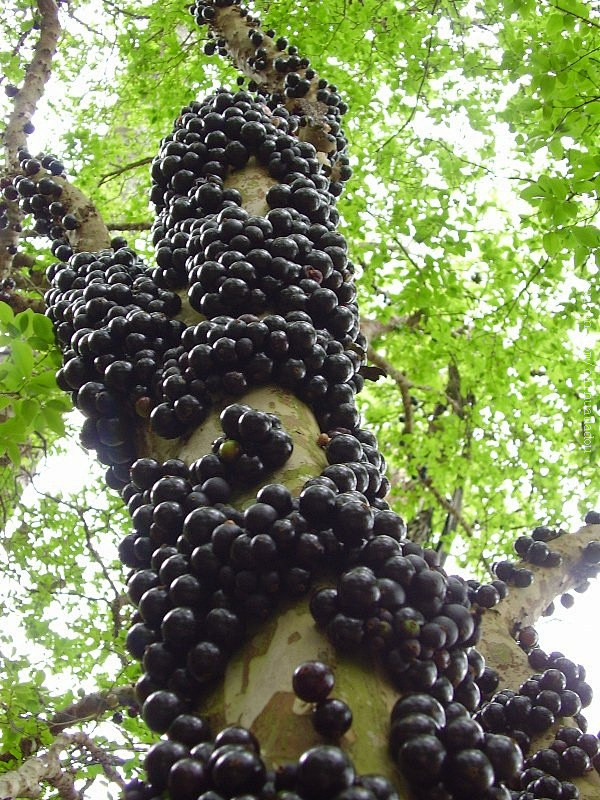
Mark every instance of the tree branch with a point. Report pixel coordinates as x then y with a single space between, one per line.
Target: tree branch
92 233
19 302
25 103
233 28
36 76
27 780
523 607
88 708
373 328
401 381
125 168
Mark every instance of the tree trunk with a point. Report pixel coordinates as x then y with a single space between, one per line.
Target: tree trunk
376 667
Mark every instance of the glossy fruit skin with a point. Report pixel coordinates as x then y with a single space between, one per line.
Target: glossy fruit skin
470 771
422 759
312 681
505 756
159 760
323 772
332 718
237 771
189 729
160 709
187 779
419 704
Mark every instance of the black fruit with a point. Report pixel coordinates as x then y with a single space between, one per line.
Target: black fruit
332 718
323 772
312 681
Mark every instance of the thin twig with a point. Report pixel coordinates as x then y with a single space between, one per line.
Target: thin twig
142 225
88 534
123 11
401 381
577 16
424 77
141 162
447 505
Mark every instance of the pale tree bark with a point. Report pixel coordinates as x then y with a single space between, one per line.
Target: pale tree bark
49 768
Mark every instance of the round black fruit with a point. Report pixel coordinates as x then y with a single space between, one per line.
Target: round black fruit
332 718
312 681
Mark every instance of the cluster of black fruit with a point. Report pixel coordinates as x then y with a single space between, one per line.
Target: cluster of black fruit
313 682
192 765
204 573
541 699
38 194
571 754
253 444
446 754
291 261
213 139
227 355
265 53
406 609
534 549
204 570
116 329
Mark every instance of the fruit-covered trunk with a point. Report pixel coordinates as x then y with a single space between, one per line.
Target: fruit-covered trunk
293 642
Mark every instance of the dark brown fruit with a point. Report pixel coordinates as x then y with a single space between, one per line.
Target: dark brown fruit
313 681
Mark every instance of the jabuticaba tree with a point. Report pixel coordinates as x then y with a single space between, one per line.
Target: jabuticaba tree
293 642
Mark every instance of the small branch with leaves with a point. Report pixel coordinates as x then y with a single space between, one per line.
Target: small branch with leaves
19 121
48 768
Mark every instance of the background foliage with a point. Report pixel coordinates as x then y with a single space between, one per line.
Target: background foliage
473 218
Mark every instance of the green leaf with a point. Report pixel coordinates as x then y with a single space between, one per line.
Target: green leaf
555 23
22 355
552 242
587 235
43 328
44 380
6 313
13 452
54 420
532 192
27 410
24 320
